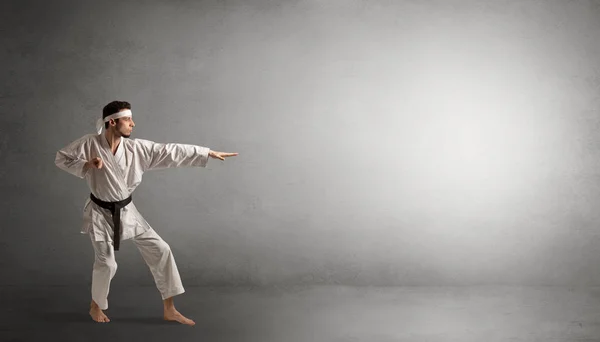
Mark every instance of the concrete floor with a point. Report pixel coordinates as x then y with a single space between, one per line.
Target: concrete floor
323 314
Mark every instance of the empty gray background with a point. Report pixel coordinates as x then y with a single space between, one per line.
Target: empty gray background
381 142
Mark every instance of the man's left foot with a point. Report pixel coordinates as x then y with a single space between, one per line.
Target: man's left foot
174 315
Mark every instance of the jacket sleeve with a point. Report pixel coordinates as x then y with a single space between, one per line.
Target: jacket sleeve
156 156
72 158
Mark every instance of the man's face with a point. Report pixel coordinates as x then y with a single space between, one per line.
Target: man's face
124 126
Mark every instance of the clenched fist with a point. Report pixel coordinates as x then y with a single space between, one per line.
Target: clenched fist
95 163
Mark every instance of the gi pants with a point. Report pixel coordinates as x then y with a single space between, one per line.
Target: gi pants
157 255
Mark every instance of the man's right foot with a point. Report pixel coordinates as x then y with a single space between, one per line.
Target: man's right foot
97 314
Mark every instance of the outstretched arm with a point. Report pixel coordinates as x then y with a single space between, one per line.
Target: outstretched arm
72 158
156 156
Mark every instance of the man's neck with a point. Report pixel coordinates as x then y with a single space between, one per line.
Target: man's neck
113 141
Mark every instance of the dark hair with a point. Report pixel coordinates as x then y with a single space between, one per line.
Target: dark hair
114 107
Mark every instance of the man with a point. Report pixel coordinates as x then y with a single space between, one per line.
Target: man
113 167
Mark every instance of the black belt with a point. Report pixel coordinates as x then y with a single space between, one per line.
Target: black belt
115 210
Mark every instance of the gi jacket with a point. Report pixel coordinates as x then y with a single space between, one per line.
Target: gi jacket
120 175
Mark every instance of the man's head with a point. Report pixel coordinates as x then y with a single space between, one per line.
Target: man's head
121 127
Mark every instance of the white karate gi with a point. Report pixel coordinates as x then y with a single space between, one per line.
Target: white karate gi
115 181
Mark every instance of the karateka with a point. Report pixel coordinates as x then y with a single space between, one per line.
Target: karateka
113 166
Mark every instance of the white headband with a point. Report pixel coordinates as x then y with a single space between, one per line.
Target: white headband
100 122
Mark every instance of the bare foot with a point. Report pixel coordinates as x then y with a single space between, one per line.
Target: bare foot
97 314
174 315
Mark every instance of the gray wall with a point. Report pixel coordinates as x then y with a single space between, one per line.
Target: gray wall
381 142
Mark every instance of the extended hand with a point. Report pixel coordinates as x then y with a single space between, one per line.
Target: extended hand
221 155
95 163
